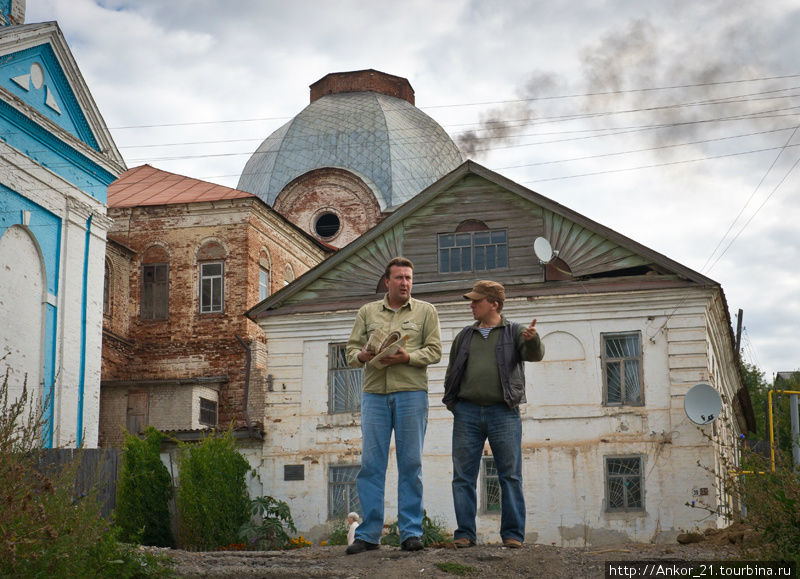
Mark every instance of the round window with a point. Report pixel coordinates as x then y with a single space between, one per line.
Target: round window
327 225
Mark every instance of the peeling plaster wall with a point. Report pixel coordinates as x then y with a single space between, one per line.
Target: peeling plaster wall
567 431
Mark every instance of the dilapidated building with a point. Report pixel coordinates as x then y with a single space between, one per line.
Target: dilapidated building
185 259
608 453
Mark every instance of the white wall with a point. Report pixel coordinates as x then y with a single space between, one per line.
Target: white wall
567 431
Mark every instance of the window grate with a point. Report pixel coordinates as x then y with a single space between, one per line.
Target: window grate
491 486
344 383
342 494
624 483
208 412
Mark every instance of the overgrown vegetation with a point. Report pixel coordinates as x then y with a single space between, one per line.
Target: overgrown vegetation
770 499
338 532
45 531
144 488
773 506
266 530
213 502
433 533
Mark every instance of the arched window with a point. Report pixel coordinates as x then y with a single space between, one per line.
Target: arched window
107 289
264 269
288 274
473 247
211 266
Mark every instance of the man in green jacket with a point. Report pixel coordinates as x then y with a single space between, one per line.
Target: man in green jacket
394 397
483 388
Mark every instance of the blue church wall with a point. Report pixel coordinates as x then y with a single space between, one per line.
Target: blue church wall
67 112
35 141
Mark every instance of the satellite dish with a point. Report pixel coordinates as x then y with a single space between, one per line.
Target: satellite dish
702 403
543 250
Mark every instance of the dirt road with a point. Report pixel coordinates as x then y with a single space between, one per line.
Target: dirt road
493 561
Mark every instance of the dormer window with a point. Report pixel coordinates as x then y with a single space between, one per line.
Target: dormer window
473 247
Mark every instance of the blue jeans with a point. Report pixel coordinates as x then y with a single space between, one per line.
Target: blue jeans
472 425
407 414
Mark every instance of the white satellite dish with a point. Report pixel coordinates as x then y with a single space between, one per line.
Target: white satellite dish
543 250
702 403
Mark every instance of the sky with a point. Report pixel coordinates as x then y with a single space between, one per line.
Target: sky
674 123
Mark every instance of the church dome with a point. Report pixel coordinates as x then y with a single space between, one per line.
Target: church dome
364 123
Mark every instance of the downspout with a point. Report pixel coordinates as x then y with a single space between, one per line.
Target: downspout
84 302
248 358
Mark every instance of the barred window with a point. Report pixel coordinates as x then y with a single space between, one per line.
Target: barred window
622 369
624 484
342 494
208 412
473 251
344 383
491 486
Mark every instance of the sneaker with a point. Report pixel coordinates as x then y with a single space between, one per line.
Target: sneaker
512 543
359 546
412 544
463 543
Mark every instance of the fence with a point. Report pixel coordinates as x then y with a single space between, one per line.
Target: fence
96 467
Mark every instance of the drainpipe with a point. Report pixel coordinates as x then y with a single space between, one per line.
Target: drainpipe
84 302
248 357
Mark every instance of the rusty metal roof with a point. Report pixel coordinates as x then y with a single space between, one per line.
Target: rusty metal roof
146 185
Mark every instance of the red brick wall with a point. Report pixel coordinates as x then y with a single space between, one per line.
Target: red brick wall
189 344
363 80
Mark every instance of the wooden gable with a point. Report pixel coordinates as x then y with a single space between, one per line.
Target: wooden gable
588 253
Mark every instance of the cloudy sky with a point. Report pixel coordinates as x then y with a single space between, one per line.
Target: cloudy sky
672 122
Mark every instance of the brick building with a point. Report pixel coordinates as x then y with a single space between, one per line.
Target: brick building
185 259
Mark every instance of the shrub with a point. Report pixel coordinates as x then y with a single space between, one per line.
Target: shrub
338 534
144 489
213 502
773 506
45 531
433 532
267 531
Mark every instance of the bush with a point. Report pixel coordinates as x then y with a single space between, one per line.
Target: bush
338 534
213 502
144 489
433 533
45 531
773 506
267 531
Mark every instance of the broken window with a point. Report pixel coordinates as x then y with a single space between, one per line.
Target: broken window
622 369
155 295
342 494
624 483
473 251
344 382
211 287
491 486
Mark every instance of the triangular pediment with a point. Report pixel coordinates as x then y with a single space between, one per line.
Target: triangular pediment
589 255
40 83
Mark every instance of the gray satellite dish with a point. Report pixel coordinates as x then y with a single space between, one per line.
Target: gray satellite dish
702 403
543 250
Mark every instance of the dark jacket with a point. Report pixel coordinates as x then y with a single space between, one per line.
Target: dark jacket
510 364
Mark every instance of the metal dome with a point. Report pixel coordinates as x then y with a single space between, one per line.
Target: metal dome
388 142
